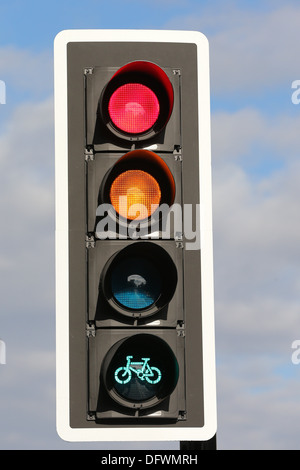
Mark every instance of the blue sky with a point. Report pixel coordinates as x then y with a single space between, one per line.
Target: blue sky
256 193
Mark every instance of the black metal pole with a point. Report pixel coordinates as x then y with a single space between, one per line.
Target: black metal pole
211 444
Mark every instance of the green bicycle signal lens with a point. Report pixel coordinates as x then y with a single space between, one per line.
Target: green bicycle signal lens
142 371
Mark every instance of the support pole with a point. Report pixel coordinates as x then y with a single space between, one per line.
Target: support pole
211 444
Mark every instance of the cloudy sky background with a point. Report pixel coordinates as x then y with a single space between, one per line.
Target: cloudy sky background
256 198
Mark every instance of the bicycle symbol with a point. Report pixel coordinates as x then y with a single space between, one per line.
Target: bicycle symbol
123 374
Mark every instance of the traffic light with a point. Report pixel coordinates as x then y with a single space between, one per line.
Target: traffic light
134 277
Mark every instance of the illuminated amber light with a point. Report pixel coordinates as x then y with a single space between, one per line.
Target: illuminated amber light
135 194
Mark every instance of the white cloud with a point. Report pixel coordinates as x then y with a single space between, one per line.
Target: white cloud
257 277
251 49
27 208
27 324
256 223
259 50
258 409
25 71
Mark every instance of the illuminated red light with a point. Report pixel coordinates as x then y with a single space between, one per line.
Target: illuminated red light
133 108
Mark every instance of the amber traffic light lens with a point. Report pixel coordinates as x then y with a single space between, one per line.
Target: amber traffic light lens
135 194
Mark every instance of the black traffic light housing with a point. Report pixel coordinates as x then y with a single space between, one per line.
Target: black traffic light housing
149 394
135 328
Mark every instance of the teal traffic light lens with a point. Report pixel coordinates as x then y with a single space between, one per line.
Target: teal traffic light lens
135 283
137 379
139 280
142 369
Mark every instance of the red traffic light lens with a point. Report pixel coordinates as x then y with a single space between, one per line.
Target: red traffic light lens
133 108
137 102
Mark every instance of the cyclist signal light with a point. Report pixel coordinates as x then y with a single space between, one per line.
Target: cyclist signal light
138 380
135 339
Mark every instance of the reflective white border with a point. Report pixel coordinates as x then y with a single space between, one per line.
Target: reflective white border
62 241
